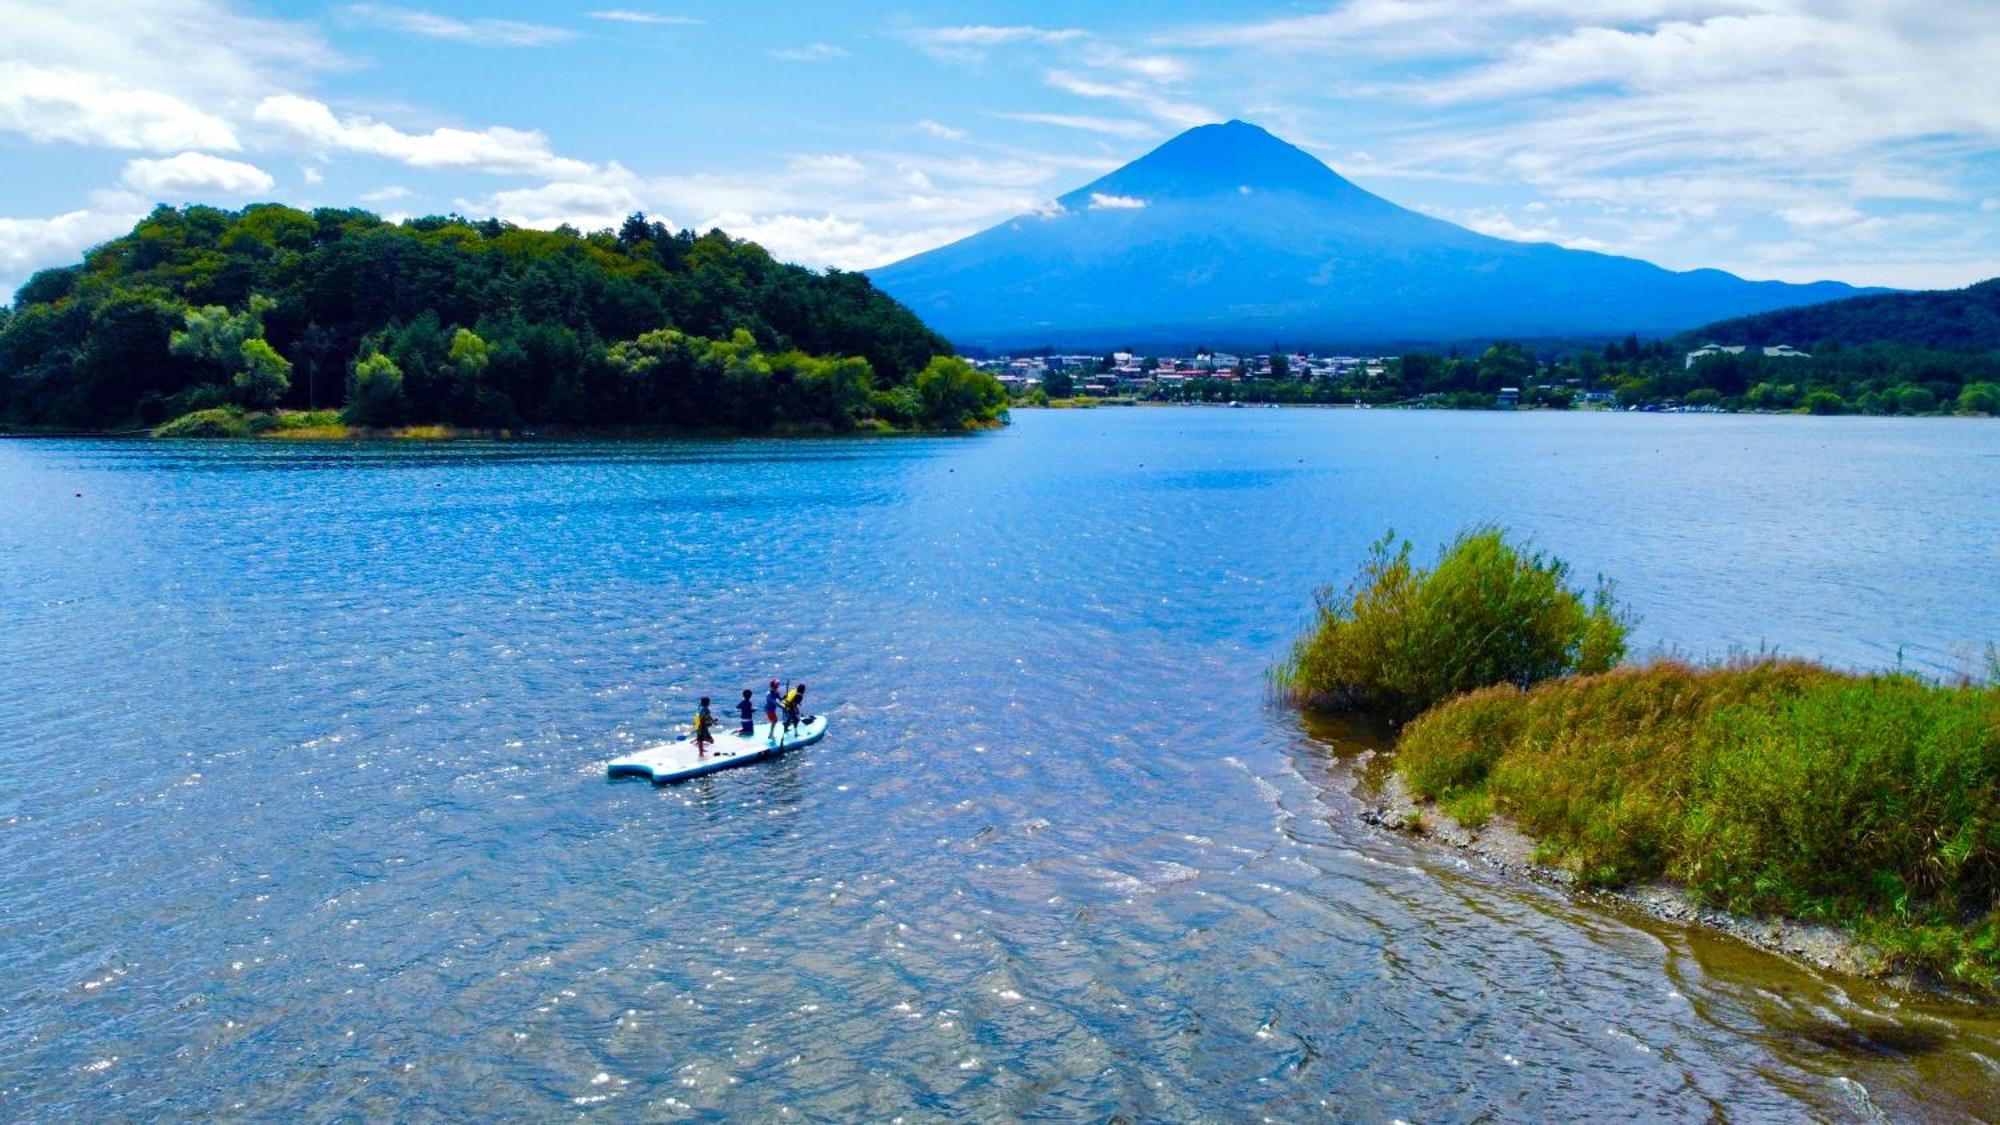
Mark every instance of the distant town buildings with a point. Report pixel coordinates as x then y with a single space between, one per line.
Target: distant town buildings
1127 373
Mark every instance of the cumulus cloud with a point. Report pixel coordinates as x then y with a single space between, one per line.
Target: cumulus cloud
85 108
831 239
1099 201
193 174
29 244
201 52
940 131
476 32
585 205
495 149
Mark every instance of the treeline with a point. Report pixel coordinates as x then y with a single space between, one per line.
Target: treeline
1947 320
477 324
1878 378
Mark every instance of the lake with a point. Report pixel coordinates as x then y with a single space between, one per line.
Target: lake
304 810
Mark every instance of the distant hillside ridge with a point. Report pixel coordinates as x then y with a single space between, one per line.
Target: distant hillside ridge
1943 320
1227 235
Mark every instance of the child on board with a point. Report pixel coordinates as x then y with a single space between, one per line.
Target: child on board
704 729
794 699
771 701
748 711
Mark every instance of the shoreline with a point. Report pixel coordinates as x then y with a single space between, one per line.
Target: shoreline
427 434
1389 806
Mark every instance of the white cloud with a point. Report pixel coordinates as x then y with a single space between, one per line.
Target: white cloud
311 174
1821 214
586 206
831 239
940 131
971 43
495 149
476 32
30 244
1141 96
202 52
1108 126
631 15
811 52
388 194
832 166
1099 201
1989 205
93 109
192 174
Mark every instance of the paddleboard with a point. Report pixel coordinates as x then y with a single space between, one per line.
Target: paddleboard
667 762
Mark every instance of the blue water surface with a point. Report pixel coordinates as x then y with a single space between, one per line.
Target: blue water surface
302 806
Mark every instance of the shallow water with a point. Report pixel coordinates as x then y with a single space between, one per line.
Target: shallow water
303 809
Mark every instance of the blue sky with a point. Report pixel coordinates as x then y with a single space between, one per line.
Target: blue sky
1848 139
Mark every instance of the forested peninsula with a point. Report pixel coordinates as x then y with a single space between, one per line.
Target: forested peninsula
204 321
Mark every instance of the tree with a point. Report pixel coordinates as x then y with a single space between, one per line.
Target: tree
1915 400
214 336
1058 383
374 392
265 375
1825 402
956 394
1980 398
1504 365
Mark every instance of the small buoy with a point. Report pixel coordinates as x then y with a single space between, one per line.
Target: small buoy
79 495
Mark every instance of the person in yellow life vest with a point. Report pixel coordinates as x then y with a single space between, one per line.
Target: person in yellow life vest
794 699
704 729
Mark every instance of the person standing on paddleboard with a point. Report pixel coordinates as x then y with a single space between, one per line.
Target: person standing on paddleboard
794 699
771 701
704 729
748 711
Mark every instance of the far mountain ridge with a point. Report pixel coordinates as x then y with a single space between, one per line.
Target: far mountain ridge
1228 235
1965 319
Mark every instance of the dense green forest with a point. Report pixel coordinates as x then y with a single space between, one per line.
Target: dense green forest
475 324
1903 353
1947 320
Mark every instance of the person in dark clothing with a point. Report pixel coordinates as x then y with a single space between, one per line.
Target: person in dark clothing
748 711
704 729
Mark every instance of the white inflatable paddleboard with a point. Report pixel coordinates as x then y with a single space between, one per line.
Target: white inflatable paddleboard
667 762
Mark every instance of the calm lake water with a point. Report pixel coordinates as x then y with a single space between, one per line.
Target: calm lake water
302 807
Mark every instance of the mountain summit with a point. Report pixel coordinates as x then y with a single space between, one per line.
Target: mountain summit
1227 234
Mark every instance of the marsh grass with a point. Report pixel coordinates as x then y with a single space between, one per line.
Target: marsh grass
1490 611
1867 801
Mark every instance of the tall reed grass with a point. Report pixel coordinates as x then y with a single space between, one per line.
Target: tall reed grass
1867 801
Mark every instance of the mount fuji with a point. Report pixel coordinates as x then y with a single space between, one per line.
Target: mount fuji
1228 235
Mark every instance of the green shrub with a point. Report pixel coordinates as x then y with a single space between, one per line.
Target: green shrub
1869 801
218 422
1912 399
1980 398
1402 639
